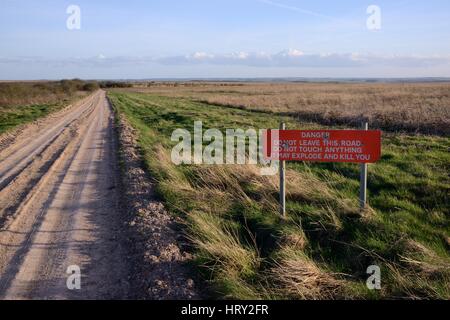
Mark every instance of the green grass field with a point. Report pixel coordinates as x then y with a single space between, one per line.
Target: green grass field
245 250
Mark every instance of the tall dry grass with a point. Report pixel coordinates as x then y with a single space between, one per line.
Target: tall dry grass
411 107
239 270
50 92
298 277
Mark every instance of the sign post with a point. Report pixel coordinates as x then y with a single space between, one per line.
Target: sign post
351 146
363 178
282 181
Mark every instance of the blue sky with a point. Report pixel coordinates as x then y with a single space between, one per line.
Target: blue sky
224 38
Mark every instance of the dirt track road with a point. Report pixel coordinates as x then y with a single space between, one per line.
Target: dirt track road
59 207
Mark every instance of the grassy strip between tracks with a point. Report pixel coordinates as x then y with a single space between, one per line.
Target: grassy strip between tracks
322 250
18 115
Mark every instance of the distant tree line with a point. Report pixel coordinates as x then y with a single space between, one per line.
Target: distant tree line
73 85
114 84
82 85
31 92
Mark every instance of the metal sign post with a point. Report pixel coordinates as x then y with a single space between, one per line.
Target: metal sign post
363 178
283 181
351 146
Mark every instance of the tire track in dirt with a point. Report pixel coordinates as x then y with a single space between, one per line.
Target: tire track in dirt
13 193
62 208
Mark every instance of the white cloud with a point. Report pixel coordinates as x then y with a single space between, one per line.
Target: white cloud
201 56
295 53
292 58
241 55
296 58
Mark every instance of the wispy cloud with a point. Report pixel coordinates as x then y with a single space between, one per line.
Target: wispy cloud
97 61
291 58
295 9
295 58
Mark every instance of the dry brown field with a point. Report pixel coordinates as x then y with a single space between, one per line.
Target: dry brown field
410 107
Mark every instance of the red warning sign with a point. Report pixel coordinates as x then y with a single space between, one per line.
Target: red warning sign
357 146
